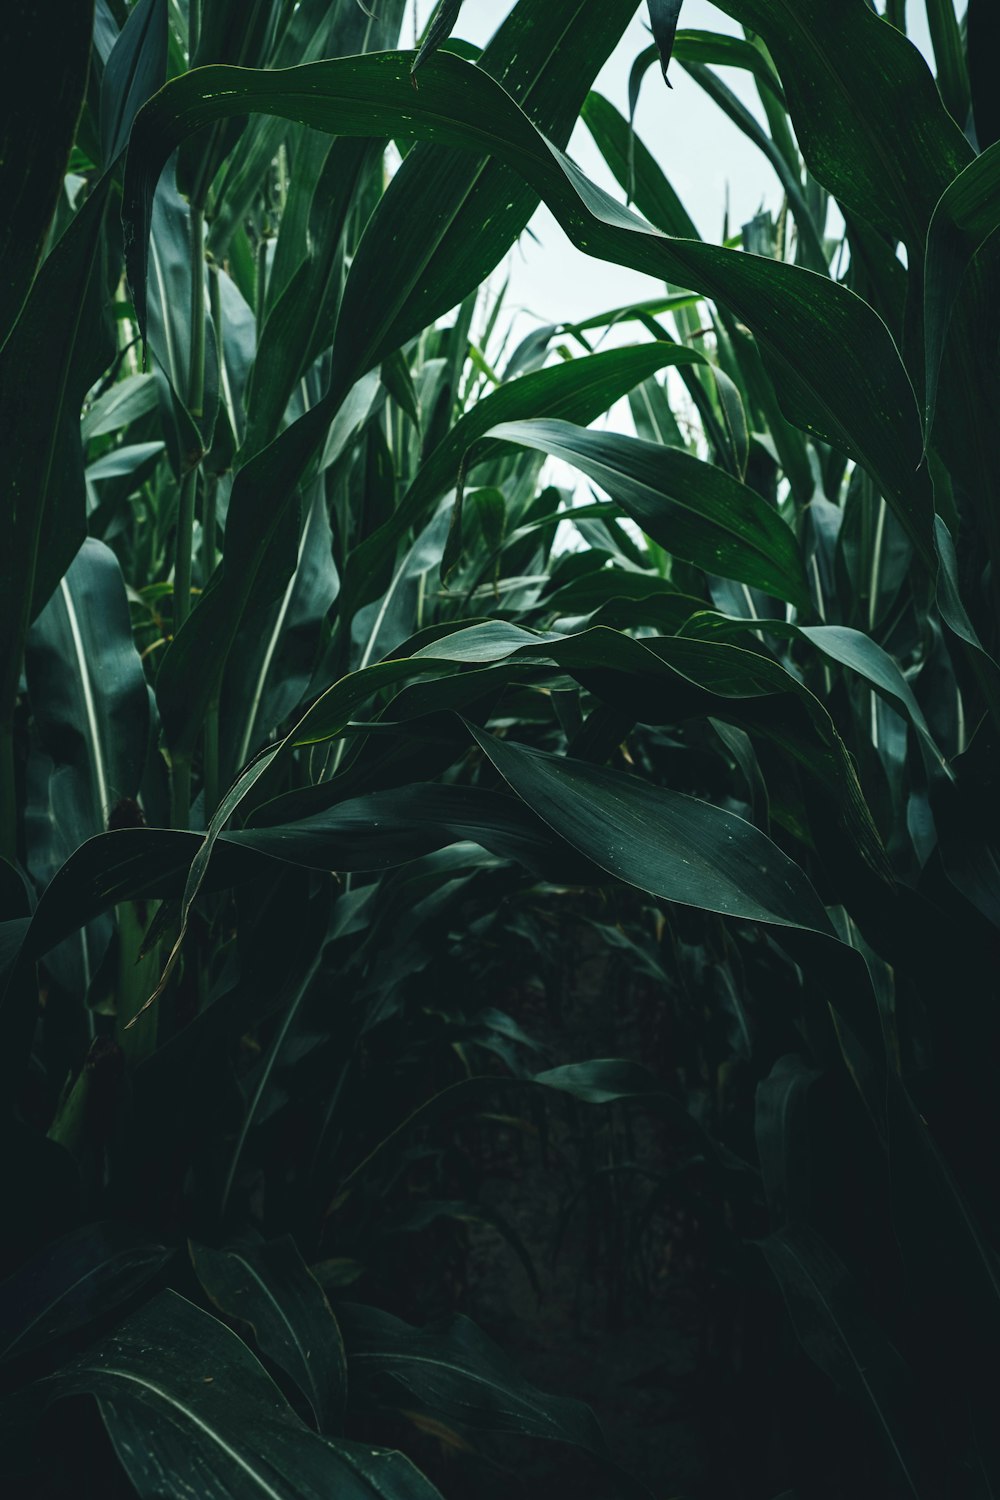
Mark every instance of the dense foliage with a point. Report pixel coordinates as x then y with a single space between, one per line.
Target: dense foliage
313 741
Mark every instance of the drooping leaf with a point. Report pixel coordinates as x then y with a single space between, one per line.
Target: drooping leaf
453 1371
663 842
188 1408
694 510
844 73
269 1287
441 25
811 330
546 63
578 390
663 17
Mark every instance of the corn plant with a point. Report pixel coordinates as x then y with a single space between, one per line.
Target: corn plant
295 685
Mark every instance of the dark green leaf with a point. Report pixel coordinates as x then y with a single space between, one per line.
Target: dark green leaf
663 15
454 1372
846 72
965 216
269 1287
835 1332
74 1283
135 69
64 327
660 841
691 508
442 23
189 1410
578 390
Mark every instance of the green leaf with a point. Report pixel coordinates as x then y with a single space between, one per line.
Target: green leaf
126 401
691 508
578 390
660 841
612 1080
846 72
88 688
812 331
635 168
857 651
135 69
720 50
42 60
90 704
835 1332
269 1286
454 1372
811 250
949 55
63 327
442 24
301 320
74 1283
379 628
273 658
189 1410
168 331
546 62
964 217
663 15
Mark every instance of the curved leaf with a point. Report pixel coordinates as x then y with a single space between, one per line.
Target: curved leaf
578 390
189 1410
74 1283
965 216
846 72
663 842
269 1286
453 1371
691 508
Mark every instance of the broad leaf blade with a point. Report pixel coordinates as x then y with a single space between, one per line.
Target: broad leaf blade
269 1286
660 841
